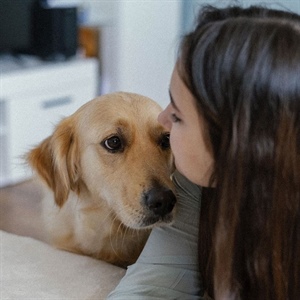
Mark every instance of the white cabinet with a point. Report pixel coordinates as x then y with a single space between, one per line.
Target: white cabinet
32 101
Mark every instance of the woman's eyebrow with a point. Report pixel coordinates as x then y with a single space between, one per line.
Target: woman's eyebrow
172 102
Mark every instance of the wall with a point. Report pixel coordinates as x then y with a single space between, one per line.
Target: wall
138 44
191 7
139 48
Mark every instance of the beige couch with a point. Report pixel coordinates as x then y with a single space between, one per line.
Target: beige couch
30 269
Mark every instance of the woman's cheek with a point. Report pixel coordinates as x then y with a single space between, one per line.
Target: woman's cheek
176 145
172 141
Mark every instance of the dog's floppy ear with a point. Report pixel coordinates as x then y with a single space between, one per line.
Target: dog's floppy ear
56 160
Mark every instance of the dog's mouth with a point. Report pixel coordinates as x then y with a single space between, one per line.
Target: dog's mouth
157 208
152 221
146 220
158 203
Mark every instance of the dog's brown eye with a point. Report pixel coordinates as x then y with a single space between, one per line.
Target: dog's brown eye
113 144
165 141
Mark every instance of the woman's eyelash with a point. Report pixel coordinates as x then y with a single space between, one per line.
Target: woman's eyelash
175 118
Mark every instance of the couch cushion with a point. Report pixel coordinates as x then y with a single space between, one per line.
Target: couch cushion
32 269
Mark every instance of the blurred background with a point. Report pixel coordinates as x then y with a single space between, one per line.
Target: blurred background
56 55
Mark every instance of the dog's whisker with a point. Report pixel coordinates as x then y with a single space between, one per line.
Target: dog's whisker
113 234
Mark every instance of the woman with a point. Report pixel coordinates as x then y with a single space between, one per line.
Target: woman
234 122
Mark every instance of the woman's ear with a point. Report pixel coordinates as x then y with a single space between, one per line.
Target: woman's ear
56 160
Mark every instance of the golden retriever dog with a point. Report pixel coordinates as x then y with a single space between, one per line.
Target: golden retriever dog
106 170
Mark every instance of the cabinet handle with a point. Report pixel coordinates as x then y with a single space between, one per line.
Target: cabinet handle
51 103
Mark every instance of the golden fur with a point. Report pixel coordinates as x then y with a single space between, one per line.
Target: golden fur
100 193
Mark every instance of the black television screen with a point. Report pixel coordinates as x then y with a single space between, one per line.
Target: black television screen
15 25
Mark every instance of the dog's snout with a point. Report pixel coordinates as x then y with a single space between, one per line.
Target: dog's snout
160 201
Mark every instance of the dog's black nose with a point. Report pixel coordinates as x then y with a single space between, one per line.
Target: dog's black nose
160 201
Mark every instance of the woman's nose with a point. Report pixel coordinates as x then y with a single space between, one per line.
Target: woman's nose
163 119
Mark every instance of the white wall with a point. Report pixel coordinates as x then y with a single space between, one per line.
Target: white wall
191 7
140 46
293 5
138 43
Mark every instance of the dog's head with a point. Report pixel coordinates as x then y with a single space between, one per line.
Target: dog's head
114 150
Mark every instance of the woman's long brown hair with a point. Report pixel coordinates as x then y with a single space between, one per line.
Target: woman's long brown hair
243 67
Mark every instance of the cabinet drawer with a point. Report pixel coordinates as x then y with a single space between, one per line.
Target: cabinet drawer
48 77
